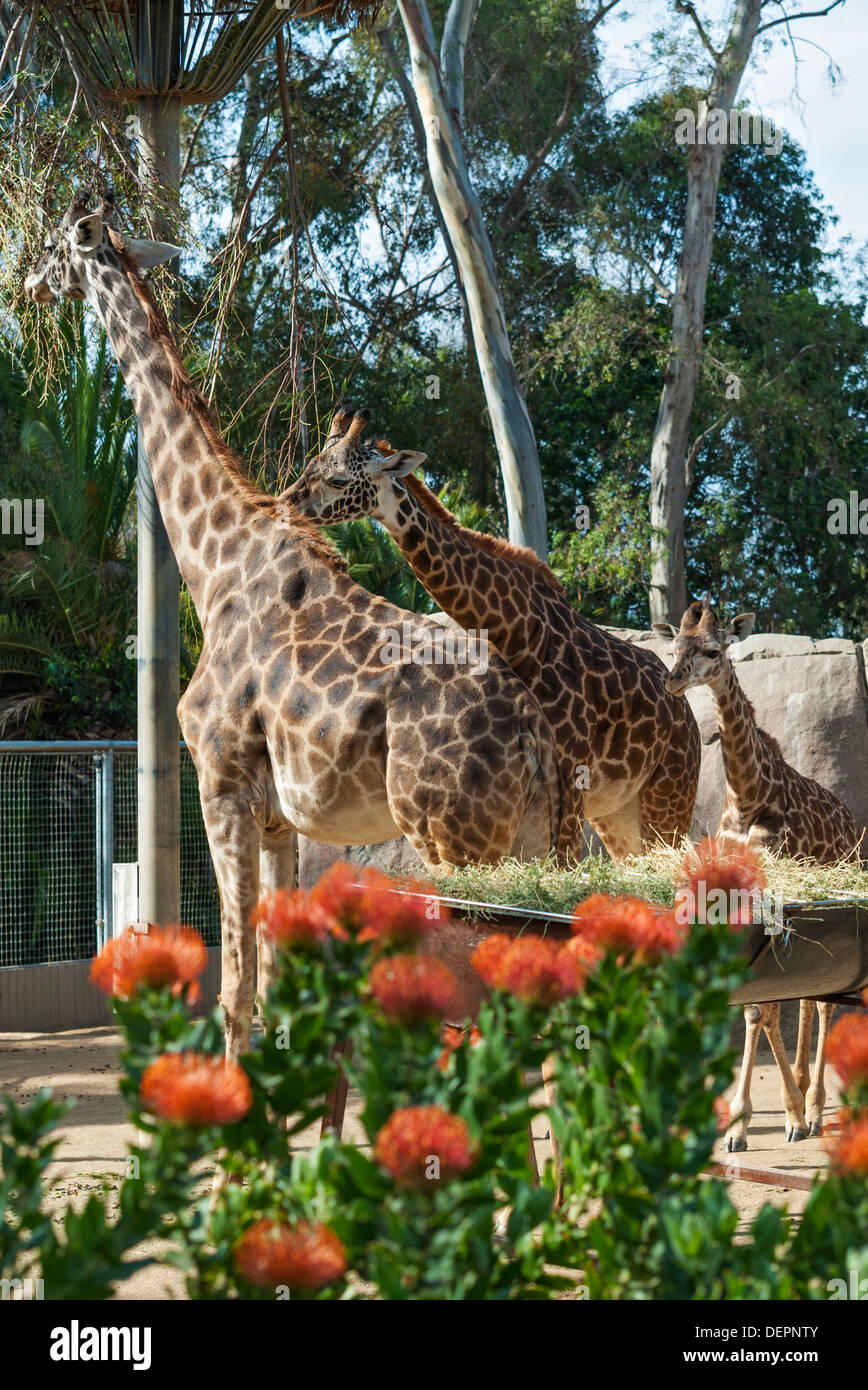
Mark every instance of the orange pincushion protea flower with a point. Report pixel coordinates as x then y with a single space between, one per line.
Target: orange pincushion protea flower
304 1257
532 969
191 1088
402 915
582 949
847 1049
848 1149
453 1038
161 956
345 891
538 972
720 878
487 957
723 1113
627 927
422 1144
292 920
373 907
413 988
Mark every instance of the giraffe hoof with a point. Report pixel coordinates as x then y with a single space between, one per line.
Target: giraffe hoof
794 1135
815 1129
735 1144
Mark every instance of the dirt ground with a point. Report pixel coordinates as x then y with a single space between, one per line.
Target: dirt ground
82 1066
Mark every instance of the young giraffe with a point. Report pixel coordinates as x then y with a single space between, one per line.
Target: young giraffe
295 719
629 752
768 805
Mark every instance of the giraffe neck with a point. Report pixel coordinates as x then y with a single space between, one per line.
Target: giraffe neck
469 582
745 755
203 497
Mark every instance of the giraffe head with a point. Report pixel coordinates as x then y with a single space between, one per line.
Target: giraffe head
699 645
80 241
350 478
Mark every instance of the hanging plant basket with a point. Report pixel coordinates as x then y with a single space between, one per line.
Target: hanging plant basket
122 50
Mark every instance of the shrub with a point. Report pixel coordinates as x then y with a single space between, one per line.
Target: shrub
440 1202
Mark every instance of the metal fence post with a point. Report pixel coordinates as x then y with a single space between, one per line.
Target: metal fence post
108 840
104 834
98 855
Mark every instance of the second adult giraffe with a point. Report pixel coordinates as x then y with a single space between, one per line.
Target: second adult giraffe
629 751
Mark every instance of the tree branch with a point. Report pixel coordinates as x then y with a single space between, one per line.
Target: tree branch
536 160
685 7
792 18
456 33
412 107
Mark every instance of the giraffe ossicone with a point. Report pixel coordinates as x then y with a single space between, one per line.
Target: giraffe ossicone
293 720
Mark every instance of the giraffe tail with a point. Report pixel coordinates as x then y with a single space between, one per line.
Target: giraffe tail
541 753
568 842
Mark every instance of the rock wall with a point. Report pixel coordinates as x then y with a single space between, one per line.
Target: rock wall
812 696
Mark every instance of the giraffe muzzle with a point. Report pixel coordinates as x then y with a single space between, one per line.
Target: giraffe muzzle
37 290
677 685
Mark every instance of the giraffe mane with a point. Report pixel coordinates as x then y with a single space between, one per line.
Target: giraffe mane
192 400
493 545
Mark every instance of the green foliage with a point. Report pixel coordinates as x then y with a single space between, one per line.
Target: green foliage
67 604
377 564
89 685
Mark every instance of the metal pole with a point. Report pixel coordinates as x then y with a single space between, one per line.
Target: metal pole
158 648
108 840
98 858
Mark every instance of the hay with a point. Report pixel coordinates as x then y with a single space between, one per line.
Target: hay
543 885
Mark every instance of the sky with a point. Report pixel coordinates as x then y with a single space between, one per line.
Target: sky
793 89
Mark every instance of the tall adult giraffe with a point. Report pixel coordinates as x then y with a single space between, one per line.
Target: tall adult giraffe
768 805
628 748
298 716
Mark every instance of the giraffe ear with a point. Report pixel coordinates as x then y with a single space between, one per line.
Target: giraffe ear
739 628
665 630
404 462
151 253
87 232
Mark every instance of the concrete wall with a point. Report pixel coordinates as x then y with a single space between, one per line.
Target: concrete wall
52 998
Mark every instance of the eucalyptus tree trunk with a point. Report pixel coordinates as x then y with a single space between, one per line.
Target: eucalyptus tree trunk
441 115
668 597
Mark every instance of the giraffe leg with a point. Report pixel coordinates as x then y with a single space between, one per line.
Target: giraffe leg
791 1096
621 830
740 1105
802 1064
233 838
276 870
815 1099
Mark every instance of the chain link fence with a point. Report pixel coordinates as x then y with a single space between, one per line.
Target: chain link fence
67 813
